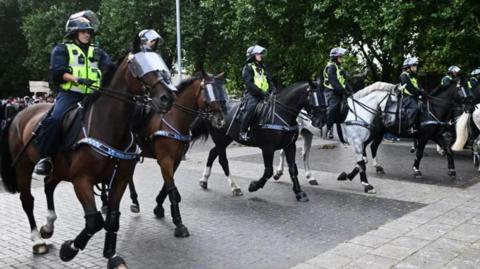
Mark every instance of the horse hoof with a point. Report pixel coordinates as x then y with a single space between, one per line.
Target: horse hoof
313 182
302 197
452 175
116 262
104 209
277 175
237 192
253 186
413 149
342 176
40 249
203 184
181 231
380 170
159 212
135 208
67 253
44 234
370 189
418 175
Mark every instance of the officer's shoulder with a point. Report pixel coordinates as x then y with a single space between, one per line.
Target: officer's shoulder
59 48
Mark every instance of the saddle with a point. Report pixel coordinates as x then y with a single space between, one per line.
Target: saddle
397 115
263 112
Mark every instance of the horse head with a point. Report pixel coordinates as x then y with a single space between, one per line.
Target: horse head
213 98
149 75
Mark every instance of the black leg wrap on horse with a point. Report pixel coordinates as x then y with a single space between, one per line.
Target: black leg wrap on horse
93 223
175 198
174 195
292 169
267 173
112 224
353 174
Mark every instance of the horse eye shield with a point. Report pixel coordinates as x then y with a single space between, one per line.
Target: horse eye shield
143 63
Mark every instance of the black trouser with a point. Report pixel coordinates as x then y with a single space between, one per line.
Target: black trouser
249 104
334 100
410 104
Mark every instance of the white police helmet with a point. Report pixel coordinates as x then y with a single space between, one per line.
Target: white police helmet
410 61
454 69
251 51
476 72
337 52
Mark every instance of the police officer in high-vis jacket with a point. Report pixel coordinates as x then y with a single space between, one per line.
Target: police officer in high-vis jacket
452 76
76 68
258 85
336 87
411 90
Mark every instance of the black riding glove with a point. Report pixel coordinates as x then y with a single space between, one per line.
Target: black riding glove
85 81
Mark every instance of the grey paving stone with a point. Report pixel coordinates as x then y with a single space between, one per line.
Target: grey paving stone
430 231
454 217
370 261
329 260
386 233
351 250
409 242
304 266
465 232
369 240
468 259
418 262
392 251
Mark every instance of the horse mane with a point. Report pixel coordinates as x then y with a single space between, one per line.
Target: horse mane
375 87
440 89
186 83
289 89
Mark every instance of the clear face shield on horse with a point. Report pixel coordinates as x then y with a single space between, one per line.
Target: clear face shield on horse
143 64
215 97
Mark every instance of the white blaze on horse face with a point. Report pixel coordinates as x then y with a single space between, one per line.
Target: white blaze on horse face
210 92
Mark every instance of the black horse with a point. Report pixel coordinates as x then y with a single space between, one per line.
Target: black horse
274 127
434 116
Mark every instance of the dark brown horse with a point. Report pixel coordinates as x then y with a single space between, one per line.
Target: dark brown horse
108 155
167 137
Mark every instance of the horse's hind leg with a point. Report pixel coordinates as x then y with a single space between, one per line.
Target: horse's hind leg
93 220
212 155
293 171
416 164
307 146
255 185
448 151
46 231
363 178
374 148
24 179
279 171
222 159
135 206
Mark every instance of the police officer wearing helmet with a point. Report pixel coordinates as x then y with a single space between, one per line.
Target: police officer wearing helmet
336 87
410 90
451 77
76 68
473 81
258 86
150 39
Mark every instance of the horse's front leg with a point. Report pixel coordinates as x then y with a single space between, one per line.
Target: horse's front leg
112 221
135 206
416 164
212 155
46 231
279 171
255 185
222 159
293 170
167 167
93 219
374 149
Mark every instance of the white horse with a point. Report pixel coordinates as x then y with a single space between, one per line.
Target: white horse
307 131
462 131
364 107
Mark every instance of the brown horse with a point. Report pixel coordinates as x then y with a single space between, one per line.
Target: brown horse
166 137
103 152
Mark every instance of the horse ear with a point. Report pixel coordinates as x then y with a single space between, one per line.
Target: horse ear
136 44
220 76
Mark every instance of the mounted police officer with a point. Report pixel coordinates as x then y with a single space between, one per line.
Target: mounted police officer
336 87
76 68
150 40
473 82
258 86
411 90
452 76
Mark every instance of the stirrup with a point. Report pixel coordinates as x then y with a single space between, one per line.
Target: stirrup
244 136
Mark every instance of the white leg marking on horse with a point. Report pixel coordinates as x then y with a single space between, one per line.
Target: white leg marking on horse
206 173
51 218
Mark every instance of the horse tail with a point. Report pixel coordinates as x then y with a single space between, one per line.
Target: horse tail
461 129
200 129
7 171
340 133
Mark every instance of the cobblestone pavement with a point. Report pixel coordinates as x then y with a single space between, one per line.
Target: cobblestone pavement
406 225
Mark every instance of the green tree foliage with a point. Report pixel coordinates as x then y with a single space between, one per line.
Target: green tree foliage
215 34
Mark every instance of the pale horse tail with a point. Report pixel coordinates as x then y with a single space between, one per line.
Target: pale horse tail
461 128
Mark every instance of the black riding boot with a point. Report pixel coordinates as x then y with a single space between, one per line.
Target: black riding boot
44 167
